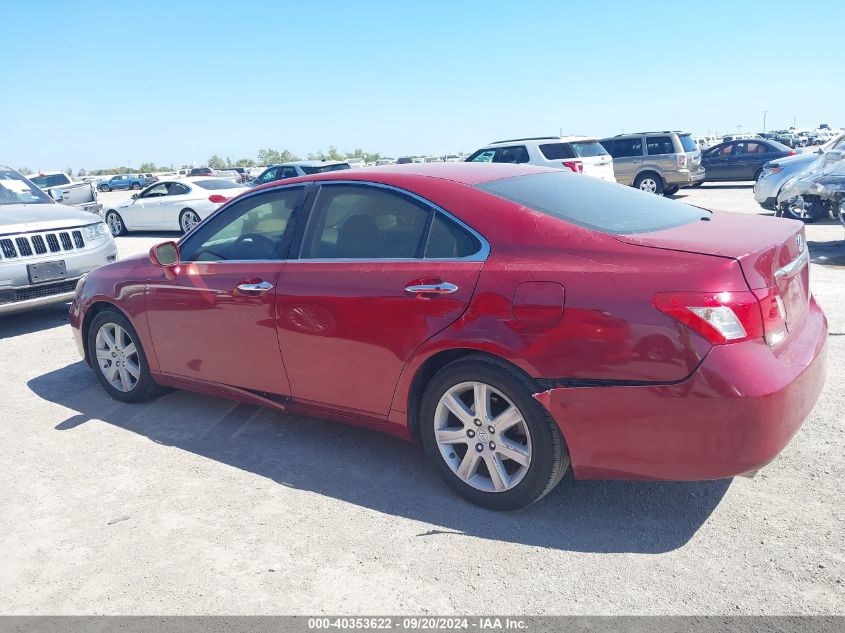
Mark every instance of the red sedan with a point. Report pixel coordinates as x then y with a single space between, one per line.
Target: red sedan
514 319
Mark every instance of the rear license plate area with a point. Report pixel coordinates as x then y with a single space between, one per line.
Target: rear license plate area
795 299
46 271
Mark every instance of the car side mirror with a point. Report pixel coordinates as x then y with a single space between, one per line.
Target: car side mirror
165 254
134 196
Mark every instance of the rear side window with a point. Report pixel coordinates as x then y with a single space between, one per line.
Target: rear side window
585 149
361 222
657 145
687 142
216 183
595 205
448 240
625 147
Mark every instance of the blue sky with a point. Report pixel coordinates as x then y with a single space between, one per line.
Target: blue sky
96 84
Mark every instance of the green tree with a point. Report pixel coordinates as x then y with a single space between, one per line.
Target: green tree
26 171
81 173
147 168
215 162
69 171
244 162
272 157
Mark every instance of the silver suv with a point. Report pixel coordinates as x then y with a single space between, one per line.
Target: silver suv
45 247
656 162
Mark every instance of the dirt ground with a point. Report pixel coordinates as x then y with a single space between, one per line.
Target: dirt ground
194 505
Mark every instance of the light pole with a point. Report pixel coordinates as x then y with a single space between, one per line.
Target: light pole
794 119
765 112
739 127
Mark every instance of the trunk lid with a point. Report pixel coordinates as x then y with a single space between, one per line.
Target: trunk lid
771 252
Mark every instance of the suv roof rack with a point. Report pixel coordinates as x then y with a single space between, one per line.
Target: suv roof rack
528 138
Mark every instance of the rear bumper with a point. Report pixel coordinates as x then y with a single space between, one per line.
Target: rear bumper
732 416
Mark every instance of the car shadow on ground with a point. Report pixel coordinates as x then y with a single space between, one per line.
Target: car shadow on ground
827 253
385 474
31 321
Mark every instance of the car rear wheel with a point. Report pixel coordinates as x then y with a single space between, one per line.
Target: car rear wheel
118 358
135 185
105 188
671 191
188 219
115 223
650 183
488 438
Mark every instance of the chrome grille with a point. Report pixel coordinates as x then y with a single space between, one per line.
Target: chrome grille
41 243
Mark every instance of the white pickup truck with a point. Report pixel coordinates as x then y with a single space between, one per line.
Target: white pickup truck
66 190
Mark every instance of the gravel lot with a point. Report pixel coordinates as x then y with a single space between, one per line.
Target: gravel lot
193 505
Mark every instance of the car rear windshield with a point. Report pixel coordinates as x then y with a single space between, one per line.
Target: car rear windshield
593 204
216 183
575 149
15 189
50 180
311 169
687 142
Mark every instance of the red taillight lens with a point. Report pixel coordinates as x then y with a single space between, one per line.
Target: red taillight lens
575 165
774 315
217 198
792 153
682 160
720 317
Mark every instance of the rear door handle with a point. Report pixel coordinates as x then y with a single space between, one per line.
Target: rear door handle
443 288
263 286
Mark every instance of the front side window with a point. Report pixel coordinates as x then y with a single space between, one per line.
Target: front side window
268 176
626 147
156 191
258 227
517 154
658 145
362 222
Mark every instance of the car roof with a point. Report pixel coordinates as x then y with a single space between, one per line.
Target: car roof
314 163
547 139
679 132
461 173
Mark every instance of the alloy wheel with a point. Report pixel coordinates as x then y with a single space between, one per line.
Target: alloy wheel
648 185
117 357
482 436
115 224
189 220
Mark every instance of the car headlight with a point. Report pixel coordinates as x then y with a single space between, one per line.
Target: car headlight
96 231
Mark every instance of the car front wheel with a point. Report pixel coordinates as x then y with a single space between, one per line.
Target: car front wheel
105 188
118 358
115 223
488 438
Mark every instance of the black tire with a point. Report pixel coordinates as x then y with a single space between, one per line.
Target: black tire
135 185
115 223
697 184
549 456
105 188
649 177
182 215
145 387
671 190
811 213
757 174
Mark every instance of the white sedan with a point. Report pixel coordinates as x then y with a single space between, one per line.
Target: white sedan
170 205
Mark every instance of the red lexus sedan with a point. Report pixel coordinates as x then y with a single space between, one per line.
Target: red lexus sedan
514 319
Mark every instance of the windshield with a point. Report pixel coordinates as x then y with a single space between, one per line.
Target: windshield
15 189
218 183
308 169
687 142
593 204
50 180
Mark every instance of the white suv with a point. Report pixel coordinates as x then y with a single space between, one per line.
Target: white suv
581 154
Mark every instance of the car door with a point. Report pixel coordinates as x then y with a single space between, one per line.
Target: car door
379 272
179 197
748 157
269 175
146 211
717 161
214 319
627 156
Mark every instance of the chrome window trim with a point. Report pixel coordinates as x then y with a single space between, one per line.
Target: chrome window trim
479 256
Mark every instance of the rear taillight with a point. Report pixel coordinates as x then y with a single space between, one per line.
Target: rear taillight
720 317
575 165
774 315
682 160
792 153
217 198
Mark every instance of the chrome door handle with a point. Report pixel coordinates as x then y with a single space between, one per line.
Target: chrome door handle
443 288
263 286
